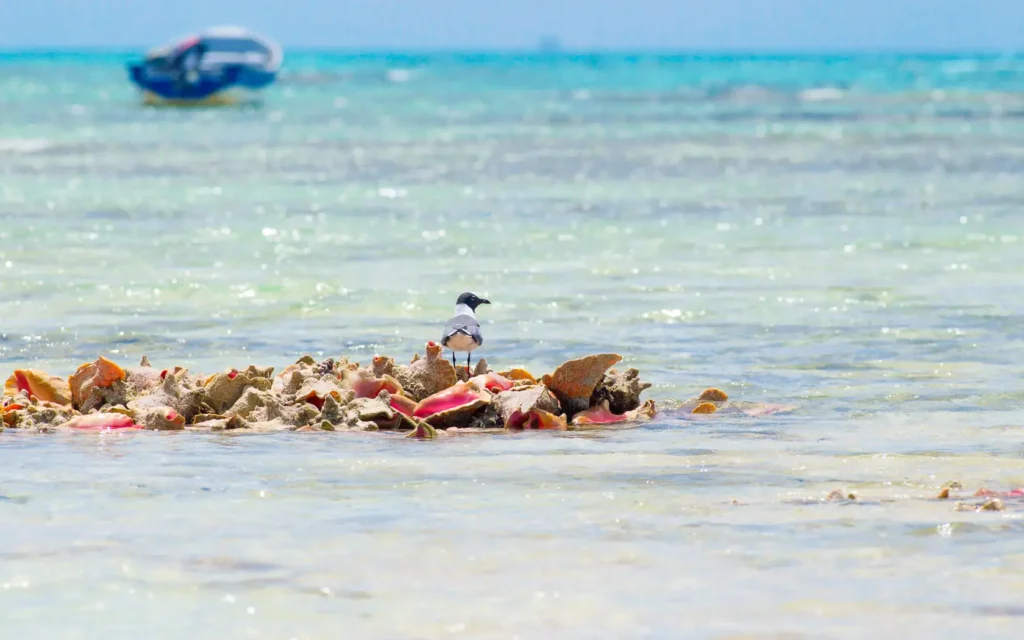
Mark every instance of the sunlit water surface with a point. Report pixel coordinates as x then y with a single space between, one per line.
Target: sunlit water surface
843 235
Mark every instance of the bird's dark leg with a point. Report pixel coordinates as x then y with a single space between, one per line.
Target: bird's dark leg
469 354
454 363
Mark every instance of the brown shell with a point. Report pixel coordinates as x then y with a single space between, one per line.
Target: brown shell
508 403
647 410
517 373
574 381
101 373
538 419
713 395
39 384
705 407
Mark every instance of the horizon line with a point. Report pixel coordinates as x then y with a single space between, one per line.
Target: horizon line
564 50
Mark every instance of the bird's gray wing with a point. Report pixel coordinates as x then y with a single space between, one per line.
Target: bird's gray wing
462 324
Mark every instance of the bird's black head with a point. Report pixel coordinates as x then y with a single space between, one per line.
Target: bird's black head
471 300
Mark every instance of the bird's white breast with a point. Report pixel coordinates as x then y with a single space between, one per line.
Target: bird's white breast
461 342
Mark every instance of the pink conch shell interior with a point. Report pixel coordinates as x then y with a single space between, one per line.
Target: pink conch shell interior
458 395
600 414
371 387
493 382
536 419
38 384
403 405
102 421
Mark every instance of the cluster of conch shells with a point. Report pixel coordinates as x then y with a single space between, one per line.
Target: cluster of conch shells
422 399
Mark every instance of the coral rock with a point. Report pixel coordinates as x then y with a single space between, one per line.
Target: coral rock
178 391
336 417
573 382
142 378
264 406
206 423
307 382
331 412
26 412
488 418
269 426
374 409
287 382
705 407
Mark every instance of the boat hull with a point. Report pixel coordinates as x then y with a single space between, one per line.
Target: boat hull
230 87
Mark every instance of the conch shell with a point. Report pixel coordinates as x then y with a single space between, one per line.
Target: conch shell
427 376
517 373
102 421
403 405
574 381
161 419
366 385
454 406
493 382
712 394
621 389
516 404
100 374
39 384
601 414
536 419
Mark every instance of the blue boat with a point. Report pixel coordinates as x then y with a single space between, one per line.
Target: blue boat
219 66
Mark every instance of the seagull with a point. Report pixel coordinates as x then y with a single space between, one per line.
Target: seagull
462 332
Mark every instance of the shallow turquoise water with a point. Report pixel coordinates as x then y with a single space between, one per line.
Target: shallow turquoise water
840 234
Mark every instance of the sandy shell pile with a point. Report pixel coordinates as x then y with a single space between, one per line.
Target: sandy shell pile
416 400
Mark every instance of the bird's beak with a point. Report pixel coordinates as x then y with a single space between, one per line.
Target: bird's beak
482 301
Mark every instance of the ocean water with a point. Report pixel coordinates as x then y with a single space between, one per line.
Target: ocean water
840 234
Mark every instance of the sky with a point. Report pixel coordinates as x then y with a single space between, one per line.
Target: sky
723 25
